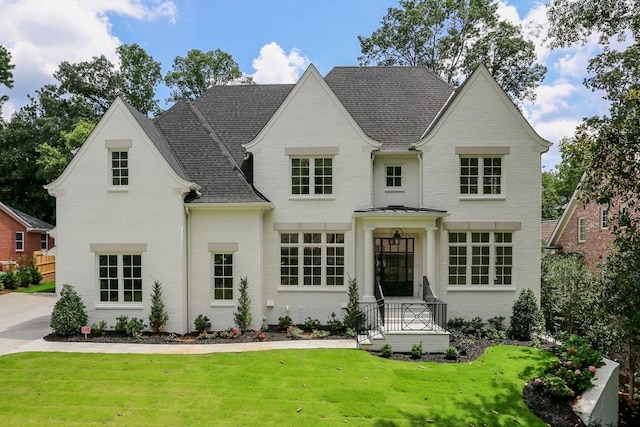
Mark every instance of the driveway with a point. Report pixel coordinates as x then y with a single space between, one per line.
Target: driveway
24 318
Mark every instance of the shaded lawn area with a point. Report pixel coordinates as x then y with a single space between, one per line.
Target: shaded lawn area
272 388
42 287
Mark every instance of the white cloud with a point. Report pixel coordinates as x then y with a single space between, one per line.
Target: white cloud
42 34
274 65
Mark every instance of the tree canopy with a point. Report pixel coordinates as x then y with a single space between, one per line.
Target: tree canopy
192 75
6 74
452 38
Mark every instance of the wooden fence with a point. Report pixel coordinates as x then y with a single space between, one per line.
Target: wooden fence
46 265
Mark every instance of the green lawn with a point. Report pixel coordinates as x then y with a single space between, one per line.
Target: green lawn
42 287
272 388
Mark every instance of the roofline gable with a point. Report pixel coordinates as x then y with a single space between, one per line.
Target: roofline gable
311 72
11 212
481 70
561 226
118 104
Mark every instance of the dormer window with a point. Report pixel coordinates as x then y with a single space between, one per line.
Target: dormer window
394 176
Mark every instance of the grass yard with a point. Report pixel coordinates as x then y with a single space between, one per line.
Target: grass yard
42 287
271 388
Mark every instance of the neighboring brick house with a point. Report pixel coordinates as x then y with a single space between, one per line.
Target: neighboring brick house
547 228
583 228
387 175
21 234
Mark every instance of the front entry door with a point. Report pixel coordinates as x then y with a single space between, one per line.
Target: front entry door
394 266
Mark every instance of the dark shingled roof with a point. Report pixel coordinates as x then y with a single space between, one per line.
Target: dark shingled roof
202 140
32 222
393 105
199 152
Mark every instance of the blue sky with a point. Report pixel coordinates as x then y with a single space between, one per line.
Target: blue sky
273 41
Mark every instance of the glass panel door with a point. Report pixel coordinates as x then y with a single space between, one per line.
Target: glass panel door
394 265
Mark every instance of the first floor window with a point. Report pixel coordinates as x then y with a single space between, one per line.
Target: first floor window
480 258
582 229
223 276
19 241
480 175
44 241
120 277
312 259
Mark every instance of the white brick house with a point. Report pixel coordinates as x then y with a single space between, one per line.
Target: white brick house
299 187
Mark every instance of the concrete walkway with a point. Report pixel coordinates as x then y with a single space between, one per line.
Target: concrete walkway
24 320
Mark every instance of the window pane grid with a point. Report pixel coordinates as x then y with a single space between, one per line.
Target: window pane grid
108 277
480 258
299 176
120 167
394 176
480 180
223 276
132 278
323 176
322 259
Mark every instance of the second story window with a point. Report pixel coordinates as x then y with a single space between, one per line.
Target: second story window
394 176
120 168
311 175
604 219
480 175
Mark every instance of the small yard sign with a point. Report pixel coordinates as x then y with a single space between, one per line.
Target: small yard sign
86 330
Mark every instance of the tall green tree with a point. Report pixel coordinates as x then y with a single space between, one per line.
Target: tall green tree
192 75
453 37
6 74
140 74
622 297
608 146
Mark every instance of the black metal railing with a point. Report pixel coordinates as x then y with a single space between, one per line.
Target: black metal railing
437 307
386 316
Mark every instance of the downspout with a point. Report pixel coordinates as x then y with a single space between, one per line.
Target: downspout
188 264
421 179
373 157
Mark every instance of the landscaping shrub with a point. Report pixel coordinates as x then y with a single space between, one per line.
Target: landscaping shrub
334 324
353 316
526 319
310 324
451 353
158 316
9 280
202 323
284 322
121 324
416 351
134 327
69 313
386 351
242 316
98 328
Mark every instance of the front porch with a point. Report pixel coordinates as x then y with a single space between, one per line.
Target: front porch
405 322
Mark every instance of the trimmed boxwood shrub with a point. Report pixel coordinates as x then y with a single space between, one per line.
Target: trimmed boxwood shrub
69 313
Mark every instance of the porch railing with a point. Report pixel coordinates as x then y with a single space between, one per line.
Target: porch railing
437 307
385 316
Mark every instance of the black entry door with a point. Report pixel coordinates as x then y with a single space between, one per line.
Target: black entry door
394 266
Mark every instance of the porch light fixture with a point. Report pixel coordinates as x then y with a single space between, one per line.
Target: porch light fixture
397 236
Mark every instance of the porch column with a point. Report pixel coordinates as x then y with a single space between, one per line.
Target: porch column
431 255
369 280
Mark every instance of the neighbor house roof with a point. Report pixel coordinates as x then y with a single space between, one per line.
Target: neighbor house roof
203 140
31 223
